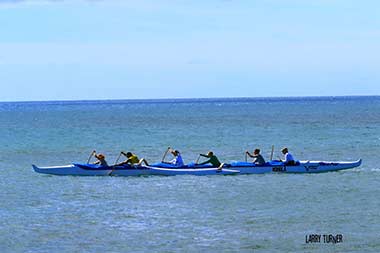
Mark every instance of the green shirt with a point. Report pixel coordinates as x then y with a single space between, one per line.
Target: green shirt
213 160
258 159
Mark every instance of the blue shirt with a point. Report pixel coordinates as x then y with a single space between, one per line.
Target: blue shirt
177 161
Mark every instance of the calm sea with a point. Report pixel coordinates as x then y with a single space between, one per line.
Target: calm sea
245 213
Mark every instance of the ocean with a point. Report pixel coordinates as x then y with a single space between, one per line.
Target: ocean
244 213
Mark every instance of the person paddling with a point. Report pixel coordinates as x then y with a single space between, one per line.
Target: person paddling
177 161
132 159
211 159
101 159
289 159
257 157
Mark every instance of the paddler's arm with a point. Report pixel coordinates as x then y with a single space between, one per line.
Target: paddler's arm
249 154
120 164
208 161
171 150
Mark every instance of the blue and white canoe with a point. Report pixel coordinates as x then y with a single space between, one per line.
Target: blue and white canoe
192 171
84 169
72 169
299 167
80 169
168 169
269 167
164 169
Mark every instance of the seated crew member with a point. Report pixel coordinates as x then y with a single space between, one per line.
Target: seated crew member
211 159
101 159
289 159
132 159
177 161
257 157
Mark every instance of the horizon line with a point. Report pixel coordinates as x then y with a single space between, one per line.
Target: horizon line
182 99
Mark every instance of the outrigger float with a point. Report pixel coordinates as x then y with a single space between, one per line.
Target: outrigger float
165 169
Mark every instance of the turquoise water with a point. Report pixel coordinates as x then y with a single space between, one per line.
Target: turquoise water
245 213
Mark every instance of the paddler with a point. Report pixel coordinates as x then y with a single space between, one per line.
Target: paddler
289 159
211 159
257 157
132 159
177 161
101 159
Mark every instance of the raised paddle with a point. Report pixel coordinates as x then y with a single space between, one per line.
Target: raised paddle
92 153
271 154
166 152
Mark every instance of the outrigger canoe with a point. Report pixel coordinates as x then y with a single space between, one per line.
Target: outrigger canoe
299 167
78 169
84 169
274 167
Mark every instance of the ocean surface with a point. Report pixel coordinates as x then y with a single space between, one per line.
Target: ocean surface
244 213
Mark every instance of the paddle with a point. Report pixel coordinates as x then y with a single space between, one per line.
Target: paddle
199 157
118 157
246 156
114 166
271 154
166 152
92 153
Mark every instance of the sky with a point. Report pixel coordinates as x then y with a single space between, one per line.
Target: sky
82 49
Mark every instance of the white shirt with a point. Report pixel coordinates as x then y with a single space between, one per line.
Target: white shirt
289 157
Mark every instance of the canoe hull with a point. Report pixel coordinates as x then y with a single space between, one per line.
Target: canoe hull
270 167
89 170
302 167
77 169
71 169
230 169
194 172
138 171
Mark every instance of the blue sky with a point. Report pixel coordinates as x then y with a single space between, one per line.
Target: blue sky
58 50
